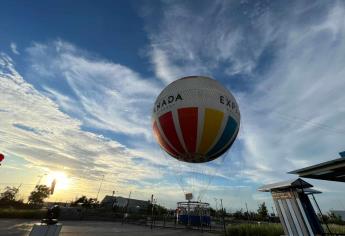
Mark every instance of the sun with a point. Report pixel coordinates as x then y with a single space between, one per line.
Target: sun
62 181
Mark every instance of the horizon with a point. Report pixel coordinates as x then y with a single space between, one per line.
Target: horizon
78 82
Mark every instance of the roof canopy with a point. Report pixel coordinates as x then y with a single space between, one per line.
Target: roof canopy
294 183
331 170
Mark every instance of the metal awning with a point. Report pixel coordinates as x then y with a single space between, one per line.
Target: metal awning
294 183
333 170
309 191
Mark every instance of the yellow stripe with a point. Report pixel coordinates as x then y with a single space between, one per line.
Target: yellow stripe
212 122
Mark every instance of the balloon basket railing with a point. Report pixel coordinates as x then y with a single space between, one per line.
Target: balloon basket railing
193 214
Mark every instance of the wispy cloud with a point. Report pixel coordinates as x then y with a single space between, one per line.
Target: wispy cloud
298 114
34 128
14 48
207 38
100 93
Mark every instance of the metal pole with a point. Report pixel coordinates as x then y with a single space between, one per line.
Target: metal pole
188 209
247 211
154 213
216 213
221 202
40 178
216 204
317 205
126 208
152 208
100 186
202 213
114 200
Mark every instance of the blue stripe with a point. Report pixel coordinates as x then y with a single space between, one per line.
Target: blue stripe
228 133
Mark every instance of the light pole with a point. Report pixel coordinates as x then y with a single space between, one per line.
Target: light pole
223 214
247 212
40 178
100 186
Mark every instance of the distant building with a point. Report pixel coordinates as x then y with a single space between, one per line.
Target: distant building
50 204
134 205
339 213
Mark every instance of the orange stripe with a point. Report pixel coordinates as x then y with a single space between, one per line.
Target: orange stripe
212 122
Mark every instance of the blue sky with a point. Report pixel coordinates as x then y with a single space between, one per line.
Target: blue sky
79 78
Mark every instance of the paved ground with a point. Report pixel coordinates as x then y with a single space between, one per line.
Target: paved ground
19 227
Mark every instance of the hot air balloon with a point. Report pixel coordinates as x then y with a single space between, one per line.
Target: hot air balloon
195 119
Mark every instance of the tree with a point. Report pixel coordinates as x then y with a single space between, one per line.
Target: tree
333 218
8 197
37 196
238 214
160 210
262 211
85 202
9 194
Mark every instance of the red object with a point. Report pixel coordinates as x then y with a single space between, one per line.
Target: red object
162 142
188 118
2 157
167 123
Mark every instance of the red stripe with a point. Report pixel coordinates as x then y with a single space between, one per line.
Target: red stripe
167 123
188 118
162 142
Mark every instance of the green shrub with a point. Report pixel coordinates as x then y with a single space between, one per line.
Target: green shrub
255 230
23 213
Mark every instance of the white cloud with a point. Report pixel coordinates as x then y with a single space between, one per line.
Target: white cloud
204 39
106 95
14 48
297 117
33 128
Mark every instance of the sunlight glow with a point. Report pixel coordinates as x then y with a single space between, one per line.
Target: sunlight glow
62 181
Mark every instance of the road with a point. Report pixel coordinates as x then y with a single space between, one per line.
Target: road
22 227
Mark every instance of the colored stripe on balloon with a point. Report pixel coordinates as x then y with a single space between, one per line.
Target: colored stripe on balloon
228 133
212 122
226 148
167 123
162 142
188 118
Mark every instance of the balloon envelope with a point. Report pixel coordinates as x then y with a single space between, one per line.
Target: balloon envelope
195 119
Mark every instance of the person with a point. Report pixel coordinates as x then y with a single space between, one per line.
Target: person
53 214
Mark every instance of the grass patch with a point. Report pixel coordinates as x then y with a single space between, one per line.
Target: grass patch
271 229
336 229
23 213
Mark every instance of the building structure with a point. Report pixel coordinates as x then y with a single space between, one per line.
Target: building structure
133 205
294 208
333 170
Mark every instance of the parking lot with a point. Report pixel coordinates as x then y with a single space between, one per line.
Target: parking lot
19 227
